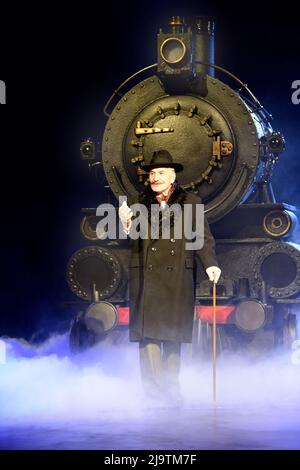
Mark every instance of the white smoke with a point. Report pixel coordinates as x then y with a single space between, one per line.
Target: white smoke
48 382
49 379
48 386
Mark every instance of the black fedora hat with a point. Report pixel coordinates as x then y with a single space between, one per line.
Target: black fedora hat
162 159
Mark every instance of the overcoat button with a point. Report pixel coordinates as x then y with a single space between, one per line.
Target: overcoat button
172 252
150 267
172 240
153 248
170 268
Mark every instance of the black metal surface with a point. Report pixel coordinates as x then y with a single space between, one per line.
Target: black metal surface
196 121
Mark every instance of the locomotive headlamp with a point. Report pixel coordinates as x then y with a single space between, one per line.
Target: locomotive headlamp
276 142
88 150
278 223
250 315
101 317
173 51
88 227
174 55
278 264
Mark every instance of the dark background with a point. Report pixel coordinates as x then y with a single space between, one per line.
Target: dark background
61 63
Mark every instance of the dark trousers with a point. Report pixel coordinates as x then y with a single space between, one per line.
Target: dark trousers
160 366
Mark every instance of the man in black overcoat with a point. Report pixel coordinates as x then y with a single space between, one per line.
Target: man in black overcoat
162 295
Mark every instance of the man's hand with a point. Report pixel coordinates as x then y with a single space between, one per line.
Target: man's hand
125 214
213 273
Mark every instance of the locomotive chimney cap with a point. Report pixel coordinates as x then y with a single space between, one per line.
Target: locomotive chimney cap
162 159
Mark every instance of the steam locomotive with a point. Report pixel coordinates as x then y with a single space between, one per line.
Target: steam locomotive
223 136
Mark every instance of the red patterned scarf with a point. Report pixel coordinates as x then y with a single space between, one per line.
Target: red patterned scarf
161 197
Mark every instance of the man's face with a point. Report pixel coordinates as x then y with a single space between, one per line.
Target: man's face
161 179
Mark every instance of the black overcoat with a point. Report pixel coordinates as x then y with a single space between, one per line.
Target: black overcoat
161 283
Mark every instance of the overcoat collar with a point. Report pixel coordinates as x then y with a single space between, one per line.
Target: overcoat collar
148 197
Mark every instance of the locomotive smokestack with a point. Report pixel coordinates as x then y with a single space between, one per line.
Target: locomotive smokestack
176 24
204 29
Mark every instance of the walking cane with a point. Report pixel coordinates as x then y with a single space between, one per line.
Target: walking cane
214 343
